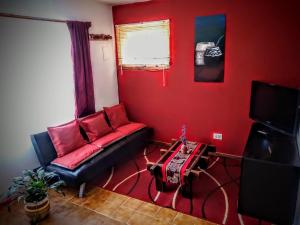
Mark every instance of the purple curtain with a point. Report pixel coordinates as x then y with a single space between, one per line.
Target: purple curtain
83 76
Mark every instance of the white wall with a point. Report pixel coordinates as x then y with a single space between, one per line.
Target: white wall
36 73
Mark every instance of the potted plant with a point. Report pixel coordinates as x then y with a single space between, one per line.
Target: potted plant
32 187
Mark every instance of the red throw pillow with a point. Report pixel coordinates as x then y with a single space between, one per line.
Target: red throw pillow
116 115
66 137
95 126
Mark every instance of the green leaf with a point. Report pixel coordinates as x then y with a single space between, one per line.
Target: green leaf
57 184
41 173
16 179
49 176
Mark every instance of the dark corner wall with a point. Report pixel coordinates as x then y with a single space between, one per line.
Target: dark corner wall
262 43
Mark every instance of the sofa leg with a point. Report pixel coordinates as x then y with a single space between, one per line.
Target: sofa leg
81 190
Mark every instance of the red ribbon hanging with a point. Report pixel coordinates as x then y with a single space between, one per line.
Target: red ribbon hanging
121 70
164 78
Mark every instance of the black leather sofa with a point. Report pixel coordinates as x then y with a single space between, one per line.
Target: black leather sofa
88 171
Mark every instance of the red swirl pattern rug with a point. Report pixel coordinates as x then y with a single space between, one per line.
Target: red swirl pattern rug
215 192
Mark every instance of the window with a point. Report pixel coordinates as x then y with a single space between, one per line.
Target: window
144 45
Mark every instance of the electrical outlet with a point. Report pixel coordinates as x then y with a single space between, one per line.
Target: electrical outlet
217 136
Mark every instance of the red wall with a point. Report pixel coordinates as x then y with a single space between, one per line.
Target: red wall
262 43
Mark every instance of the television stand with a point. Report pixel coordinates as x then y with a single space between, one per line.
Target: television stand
270 177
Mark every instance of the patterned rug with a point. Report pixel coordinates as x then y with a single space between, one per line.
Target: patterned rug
215 192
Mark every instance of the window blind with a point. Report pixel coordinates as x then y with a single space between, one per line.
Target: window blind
144 44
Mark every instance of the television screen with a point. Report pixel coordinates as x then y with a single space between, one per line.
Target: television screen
275 106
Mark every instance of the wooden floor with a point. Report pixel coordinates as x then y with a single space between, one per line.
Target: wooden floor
102 207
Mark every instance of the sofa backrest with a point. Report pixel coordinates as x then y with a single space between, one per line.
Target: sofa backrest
44 148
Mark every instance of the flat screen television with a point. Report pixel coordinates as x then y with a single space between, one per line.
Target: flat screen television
275 106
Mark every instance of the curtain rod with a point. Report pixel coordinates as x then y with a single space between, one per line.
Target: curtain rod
31 18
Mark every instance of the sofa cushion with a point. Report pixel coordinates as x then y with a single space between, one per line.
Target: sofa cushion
108 139
95 126
130 128
66 137
108 157
116 115
77 157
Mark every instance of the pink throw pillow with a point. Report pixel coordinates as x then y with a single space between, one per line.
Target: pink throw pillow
116 115
95 126
66 137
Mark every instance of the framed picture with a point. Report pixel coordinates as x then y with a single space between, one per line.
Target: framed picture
209 48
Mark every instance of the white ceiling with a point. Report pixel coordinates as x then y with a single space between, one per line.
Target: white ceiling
121 2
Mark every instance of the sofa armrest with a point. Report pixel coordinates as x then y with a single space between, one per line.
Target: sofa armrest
44 148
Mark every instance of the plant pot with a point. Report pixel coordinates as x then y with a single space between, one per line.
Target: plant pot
37 211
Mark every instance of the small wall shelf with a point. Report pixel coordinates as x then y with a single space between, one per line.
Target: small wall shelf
100 37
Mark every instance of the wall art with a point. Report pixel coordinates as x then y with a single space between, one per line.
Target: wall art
209 48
